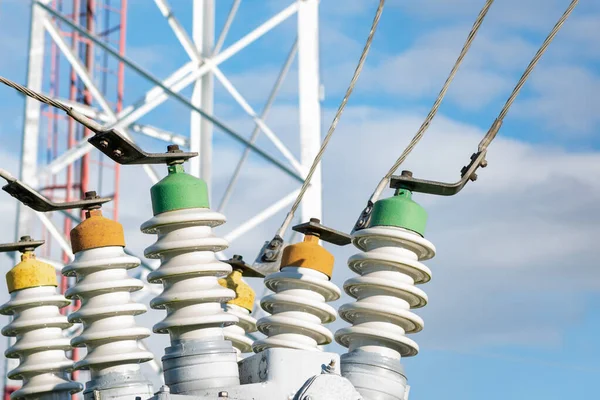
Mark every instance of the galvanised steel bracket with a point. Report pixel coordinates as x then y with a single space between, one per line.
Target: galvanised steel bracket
26 243
406 180
33 199
122 151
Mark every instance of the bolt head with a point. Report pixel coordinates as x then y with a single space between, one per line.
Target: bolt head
407 174
117 153
165 389
223 394
90 195
473 177
104 144
484 163
26 238
173 148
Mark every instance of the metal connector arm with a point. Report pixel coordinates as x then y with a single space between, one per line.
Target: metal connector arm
122 151
34 200
468 173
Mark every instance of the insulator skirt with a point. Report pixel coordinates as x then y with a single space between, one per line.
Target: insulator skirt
107 310
189 272
389 268
40 344
298 309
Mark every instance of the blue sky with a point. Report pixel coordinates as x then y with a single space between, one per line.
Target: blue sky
514 302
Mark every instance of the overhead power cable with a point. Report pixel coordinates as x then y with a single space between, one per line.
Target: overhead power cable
336 118
436 105
38 96
88 123
492 131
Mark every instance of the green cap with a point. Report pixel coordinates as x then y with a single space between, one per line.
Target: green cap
401 211
177 191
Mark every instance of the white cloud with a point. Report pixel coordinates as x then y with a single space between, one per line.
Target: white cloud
564 98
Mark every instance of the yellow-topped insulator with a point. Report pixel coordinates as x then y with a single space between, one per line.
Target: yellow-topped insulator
30 272
244 294
96 231
308 254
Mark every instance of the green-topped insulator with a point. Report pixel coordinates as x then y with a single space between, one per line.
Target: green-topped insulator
177 191
401 211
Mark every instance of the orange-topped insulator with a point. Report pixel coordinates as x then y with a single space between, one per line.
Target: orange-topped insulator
308 254
301 290
96 231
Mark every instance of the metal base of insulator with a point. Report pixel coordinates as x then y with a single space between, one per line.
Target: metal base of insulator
278 373
118 385
374 376
191 366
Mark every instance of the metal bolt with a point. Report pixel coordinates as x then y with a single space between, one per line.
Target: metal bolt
25 239
104 144
473 177
331 367
483 163
407 174
223 395
164 389
237 257
173 148
117 153
316 220
90 195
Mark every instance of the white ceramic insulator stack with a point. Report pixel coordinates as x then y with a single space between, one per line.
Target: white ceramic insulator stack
40 344
389 269
298 309
189 272
237 333
107 311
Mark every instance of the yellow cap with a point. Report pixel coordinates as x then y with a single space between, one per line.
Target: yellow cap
96 231
243 292
308 254
29 273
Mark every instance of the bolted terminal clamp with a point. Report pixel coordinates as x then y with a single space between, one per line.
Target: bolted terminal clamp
406 180
25 244
33 199
467 173
314 228
238 264
269 257
122 151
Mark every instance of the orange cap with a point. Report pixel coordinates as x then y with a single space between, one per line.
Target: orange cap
308 254
96 231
